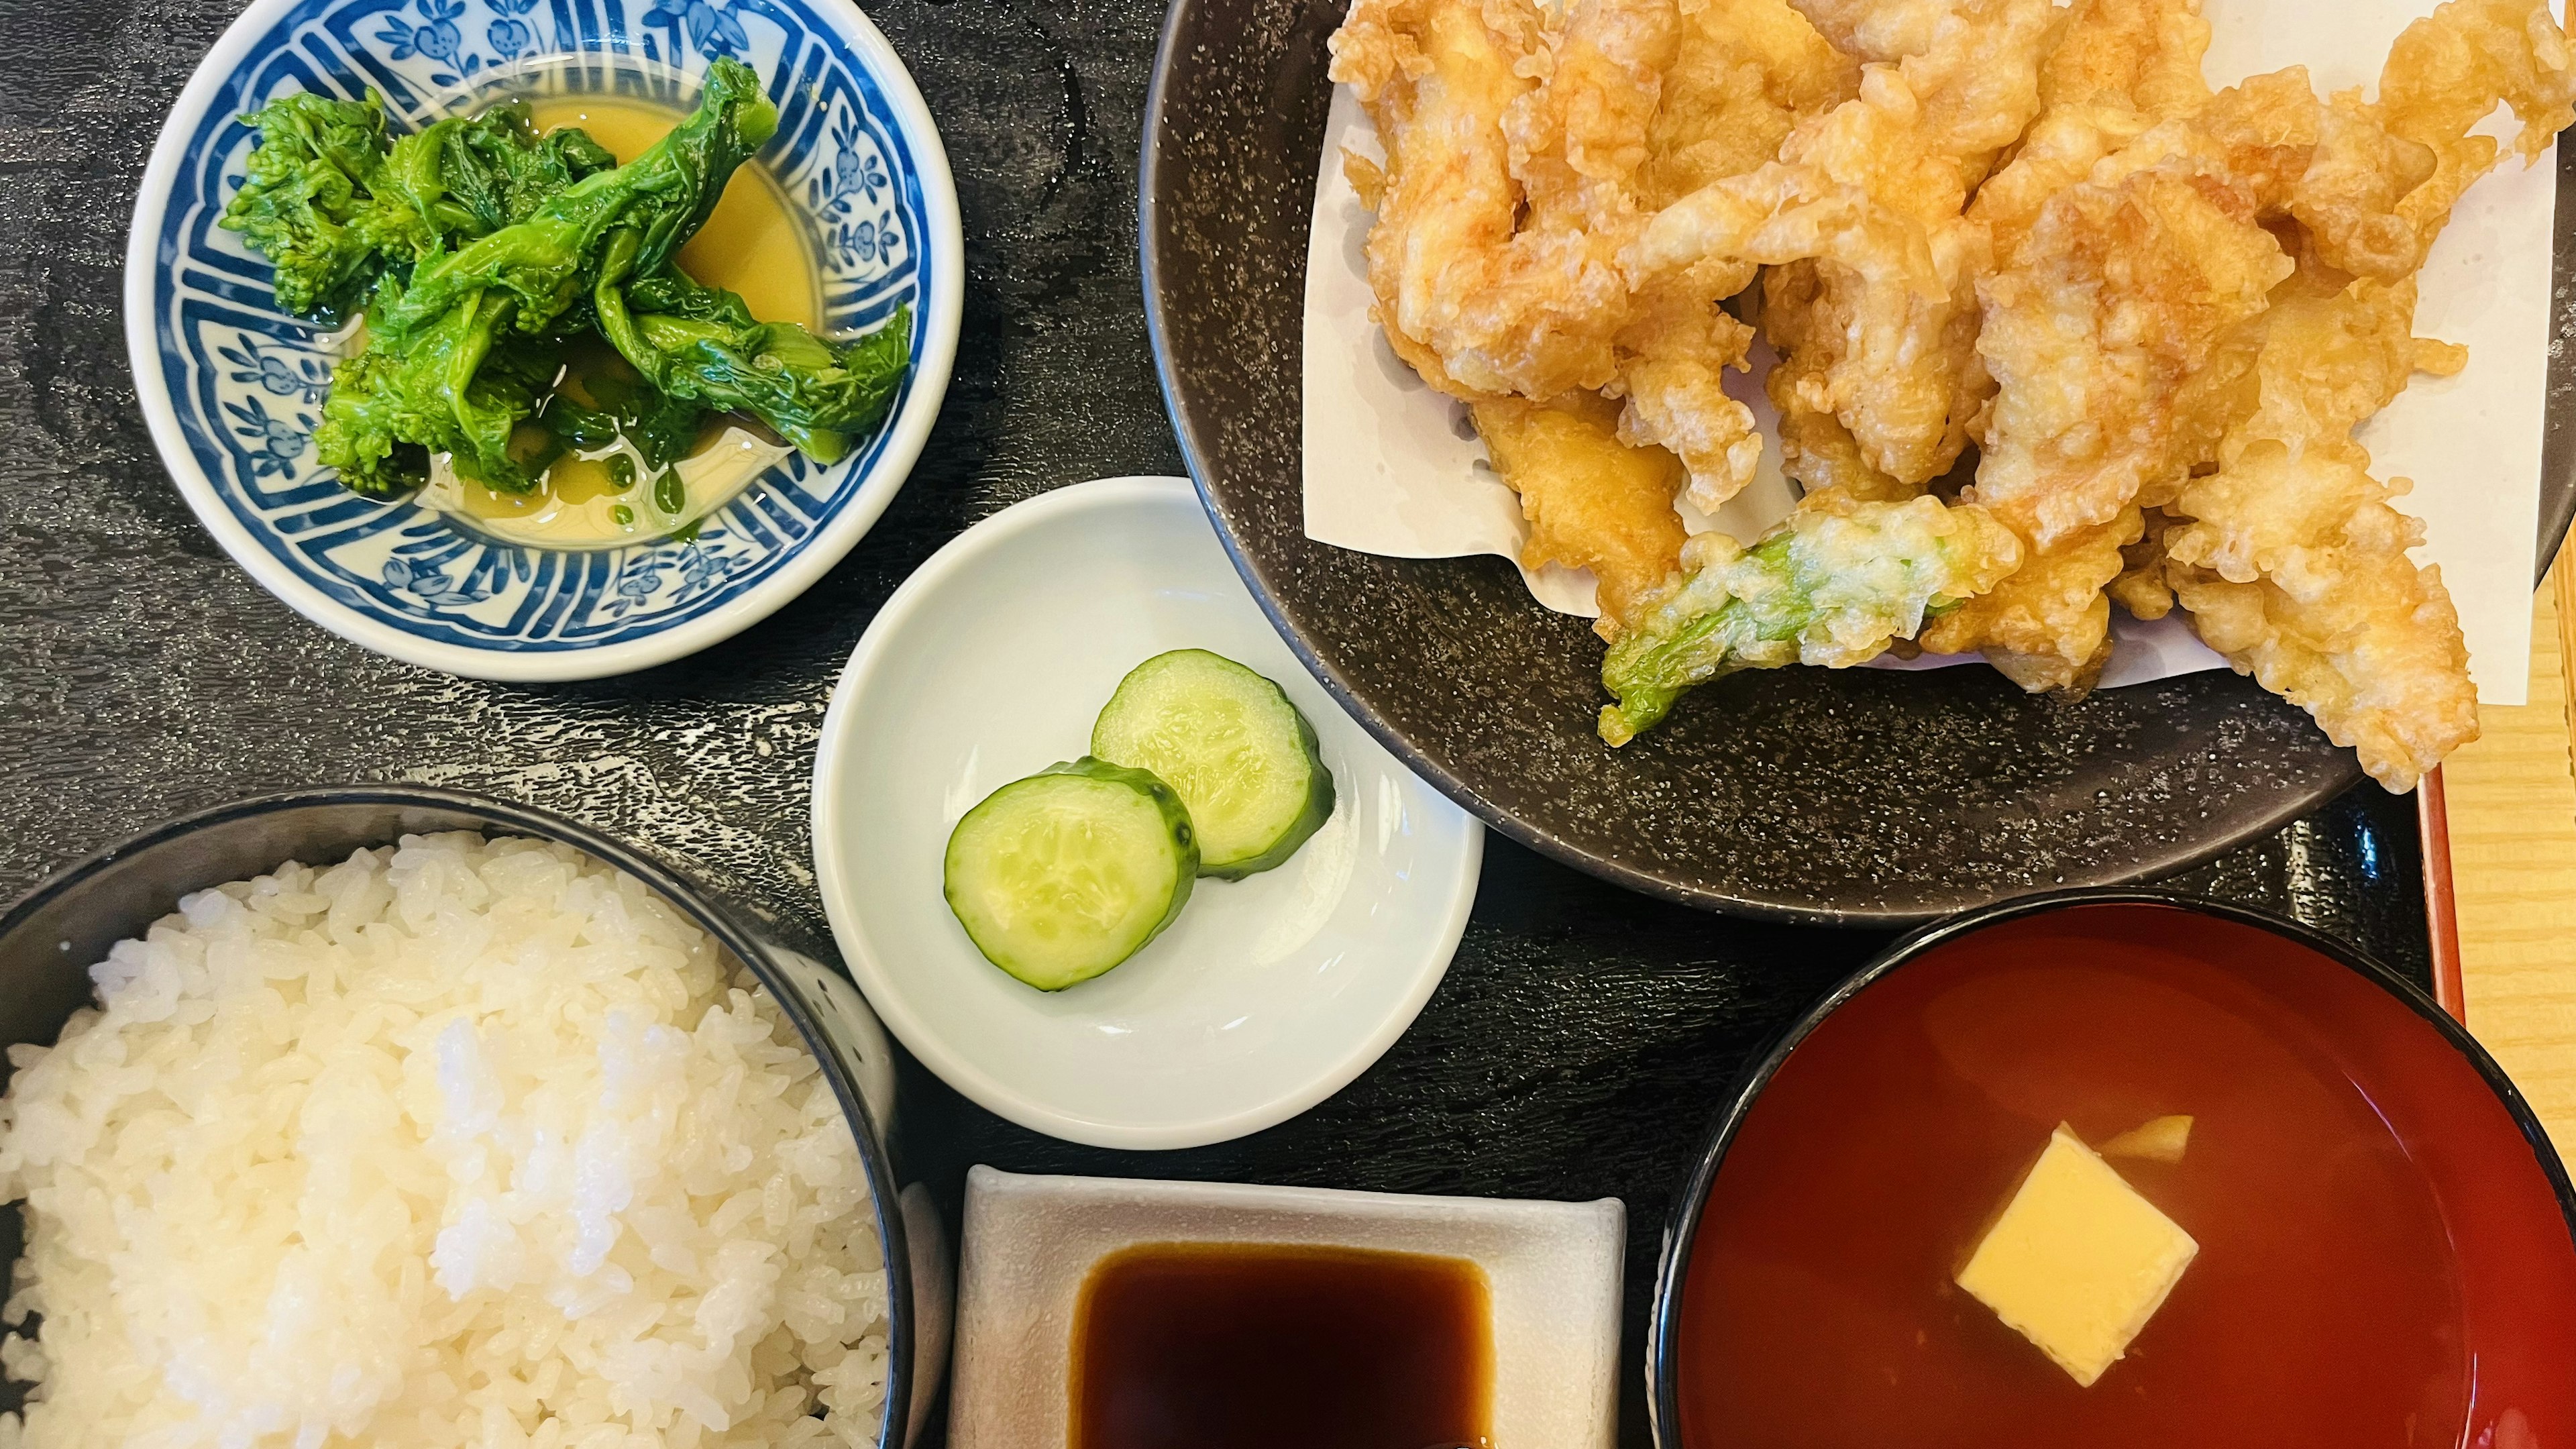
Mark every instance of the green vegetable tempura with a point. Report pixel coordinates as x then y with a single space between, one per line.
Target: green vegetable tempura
478 250
1829 585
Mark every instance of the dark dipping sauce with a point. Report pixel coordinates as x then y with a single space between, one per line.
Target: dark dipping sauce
2370 1223
1254 1346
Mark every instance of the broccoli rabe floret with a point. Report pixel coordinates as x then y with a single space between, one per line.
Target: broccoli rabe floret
304 191
333 202
461 179
389 409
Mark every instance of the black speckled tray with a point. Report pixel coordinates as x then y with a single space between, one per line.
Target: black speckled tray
1584 1034
1847 797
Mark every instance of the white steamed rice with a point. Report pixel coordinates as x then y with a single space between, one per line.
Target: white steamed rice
451 1143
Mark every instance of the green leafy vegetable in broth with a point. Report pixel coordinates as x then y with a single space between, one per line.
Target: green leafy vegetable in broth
663 428
460 388
462 179
701 343
478 248
333 202
303 192
577 425
547 263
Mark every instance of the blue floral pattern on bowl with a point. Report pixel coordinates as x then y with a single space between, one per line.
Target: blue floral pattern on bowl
245 381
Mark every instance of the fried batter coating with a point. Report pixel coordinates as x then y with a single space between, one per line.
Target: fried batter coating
1475 301
2295 568
1878 386
2330 165
1878 336
1815 447
1578 139
1672 362
1973 64
2141 588
2120 293
2128 234
1593 502
2047 626
2119 67
1831 585
1744 74
2359 366
2141 55
1515 157
2352 198
2108 331
2289 558
1514 161
2449 70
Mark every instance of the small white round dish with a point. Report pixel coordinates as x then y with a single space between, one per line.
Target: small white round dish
232 388
1267 995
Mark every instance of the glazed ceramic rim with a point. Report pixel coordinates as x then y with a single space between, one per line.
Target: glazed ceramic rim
1663 1397
957 1068
711 916
2557 511
826 546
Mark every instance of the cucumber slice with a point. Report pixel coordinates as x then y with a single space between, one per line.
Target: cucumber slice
1061 876
1232 744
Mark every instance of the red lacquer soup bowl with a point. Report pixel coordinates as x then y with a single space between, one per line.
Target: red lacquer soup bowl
2386 1242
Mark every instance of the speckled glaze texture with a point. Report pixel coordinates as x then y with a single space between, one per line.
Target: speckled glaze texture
1850 797
1577 1047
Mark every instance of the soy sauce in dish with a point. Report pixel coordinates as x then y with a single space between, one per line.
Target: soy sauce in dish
1257 1346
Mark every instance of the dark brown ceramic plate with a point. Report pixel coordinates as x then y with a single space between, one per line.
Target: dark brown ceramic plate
1849 797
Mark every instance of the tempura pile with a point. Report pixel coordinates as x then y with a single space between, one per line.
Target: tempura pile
2056 325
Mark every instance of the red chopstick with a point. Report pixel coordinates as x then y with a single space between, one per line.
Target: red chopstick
2441 905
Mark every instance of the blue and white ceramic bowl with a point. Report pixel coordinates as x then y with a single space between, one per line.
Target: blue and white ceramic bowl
231 386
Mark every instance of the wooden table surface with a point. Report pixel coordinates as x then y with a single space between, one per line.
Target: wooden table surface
2510 800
